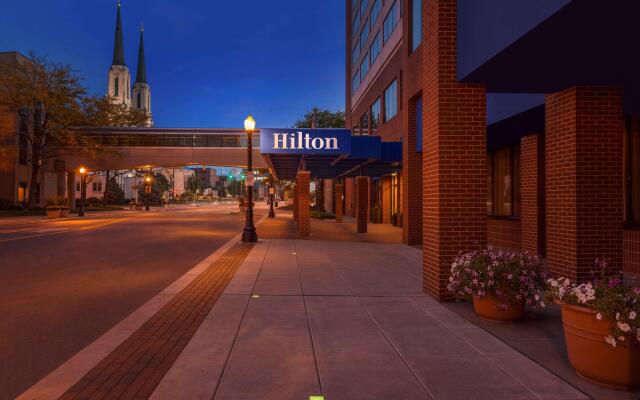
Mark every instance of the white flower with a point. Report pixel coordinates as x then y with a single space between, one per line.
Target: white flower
451 279
632 315
599 316
617 316
542 304
611 340
537 297
624 327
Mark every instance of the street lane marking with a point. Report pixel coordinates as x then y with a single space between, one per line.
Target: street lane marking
65 230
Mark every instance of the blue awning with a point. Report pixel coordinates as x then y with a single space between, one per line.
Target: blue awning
327 153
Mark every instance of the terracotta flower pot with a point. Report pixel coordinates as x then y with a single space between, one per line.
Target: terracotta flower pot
53 213
487 307
594 359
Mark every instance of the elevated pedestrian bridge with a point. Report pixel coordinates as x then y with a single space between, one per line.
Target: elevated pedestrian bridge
128 148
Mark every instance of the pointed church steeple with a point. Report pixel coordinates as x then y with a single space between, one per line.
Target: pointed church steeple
141 74
118 47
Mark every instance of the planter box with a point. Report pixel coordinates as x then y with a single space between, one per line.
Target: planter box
53 214
64 213
243 208
487 308
593 358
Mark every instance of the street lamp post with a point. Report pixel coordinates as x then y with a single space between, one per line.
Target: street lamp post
147 192
83 188
272 192
249 233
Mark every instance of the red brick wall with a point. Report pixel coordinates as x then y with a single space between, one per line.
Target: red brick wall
584 179
350 197
454 151
411 178
362 207
304 223
532 193
503 233
632 251
295 201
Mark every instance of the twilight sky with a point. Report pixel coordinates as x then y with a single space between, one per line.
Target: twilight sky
210 63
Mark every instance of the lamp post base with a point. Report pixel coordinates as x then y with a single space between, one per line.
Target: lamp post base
249 235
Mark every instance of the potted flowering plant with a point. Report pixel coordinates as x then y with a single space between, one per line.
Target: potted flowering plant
601 320
52 209
499 283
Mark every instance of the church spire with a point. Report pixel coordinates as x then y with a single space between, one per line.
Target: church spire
141 74
118 48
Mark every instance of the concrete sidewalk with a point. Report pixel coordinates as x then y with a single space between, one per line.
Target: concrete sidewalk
348 321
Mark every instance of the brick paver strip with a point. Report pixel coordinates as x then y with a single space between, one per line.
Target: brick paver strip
135 368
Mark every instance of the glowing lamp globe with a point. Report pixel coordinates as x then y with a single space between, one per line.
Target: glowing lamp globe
249 124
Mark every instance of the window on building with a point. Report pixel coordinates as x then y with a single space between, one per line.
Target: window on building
22 192
364 35
23 136
632 166
375 116
416 24
139 101
503 182
376 46
356 23
364 67
355 81
95 187
355 53
391 101
391 21
364 124
116 86
355 130
375 11
77 186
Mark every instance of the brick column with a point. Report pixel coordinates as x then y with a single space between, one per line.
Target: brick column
328 195
304 223
362 203
584 178
454 152
295 200
532 215
349 197
339 191
411 177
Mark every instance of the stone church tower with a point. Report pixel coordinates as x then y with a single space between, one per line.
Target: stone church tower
119 77
141 90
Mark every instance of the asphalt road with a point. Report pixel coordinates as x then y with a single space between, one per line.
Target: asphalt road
66 282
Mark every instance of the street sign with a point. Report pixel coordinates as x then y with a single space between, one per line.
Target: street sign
250 179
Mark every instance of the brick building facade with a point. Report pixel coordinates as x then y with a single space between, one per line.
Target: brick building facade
561 180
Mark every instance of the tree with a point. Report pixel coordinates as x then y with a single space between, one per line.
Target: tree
54 110
115 194
159 185
322 118
193 185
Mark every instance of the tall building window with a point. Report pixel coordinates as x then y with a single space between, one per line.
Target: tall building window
375 116
375 11
355 81
416 24
391 21
503 175
376 46
356 23
364 67
364 34
364 124
116 86
355 53
632 166
391 101
139 101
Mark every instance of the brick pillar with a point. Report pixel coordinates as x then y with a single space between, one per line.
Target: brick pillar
295 200
454 152
584 178
304 223
362 203
532 189
328 195
411 177
339 191
349 197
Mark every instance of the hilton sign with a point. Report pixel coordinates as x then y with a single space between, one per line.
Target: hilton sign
305 141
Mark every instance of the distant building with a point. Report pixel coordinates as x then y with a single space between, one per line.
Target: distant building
208 177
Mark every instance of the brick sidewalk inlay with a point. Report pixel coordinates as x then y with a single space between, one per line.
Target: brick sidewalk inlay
136 367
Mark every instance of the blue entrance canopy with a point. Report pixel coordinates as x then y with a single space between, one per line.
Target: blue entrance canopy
327 153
